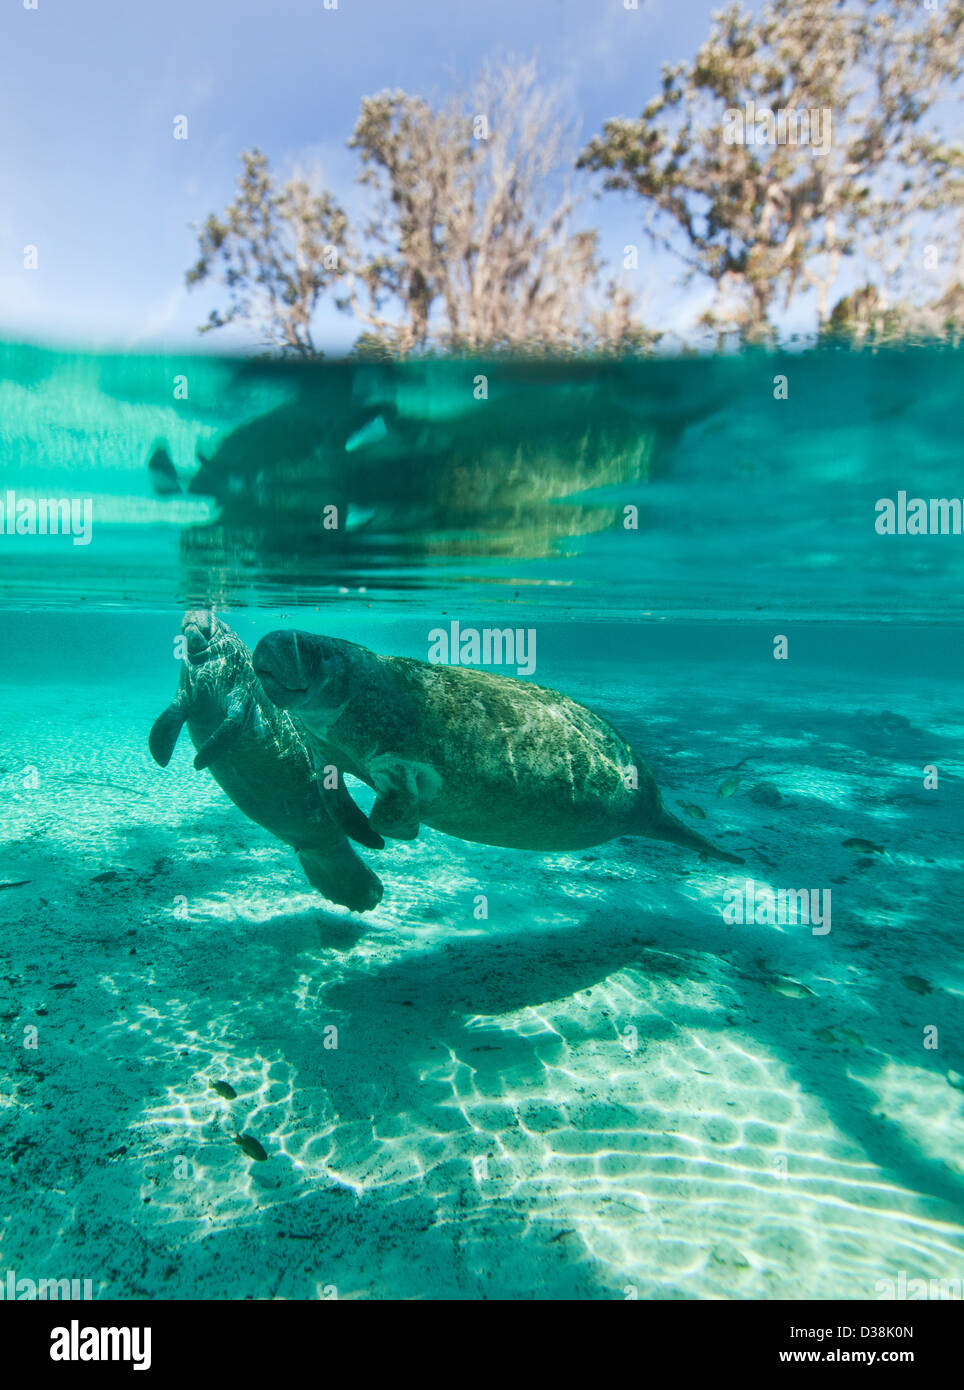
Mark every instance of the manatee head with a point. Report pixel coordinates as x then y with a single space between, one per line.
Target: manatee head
200 629
302 670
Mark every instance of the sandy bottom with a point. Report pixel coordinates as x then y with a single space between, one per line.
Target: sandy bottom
601 1091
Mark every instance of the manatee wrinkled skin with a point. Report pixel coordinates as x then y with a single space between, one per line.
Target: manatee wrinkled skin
476 755
257 756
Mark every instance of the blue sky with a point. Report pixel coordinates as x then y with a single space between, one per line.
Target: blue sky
91 175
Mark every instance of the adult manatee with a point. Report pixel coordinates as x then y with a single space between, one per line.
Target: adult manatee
476 755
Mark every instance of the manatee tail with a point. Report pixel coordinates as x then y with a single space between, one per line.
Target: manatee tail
667 827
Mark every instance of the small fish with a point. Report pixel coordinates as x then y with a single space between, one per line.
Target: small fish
107 876
825 1035
251 1147
19 883
790 989
223 1089
917 984
692 809
850 1036
860 846
729 785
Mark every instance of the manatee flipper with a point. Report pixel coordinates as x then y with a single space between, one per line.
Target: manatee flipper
351 818
225 735
396 809
342 878
164 732
337 801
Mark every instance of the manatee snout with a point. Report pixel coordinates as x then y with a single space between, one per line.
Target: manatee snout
288 664
199 626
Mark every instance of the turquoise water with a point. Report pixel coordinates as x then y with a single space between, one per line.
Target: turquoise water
607 1087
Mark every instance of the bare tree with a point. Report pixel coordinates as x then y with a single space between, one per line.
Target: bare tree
277 251
473 218
765 221
470 243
